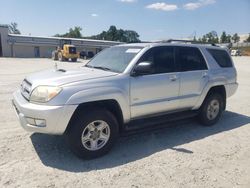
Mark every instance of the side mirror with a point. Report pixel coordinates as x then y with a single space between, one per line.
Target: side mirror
142 68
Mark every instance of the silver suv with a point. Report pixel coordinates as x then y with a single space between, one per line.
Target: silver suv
127 87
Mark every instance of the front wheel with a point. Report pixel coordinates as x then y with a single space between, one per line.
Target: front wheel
92 134
211 109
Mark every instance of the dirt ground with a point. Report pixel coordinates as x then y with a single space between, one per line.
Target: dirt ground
184 155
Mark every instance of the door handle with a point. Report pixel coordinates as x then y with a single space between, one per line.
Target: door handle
173 78
204 74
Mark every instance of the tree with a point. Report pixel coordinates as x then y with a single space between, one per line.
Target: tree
73 33
203 39
235 38
248 39
13 28
131 36
210 37
225 38
228 39
114 34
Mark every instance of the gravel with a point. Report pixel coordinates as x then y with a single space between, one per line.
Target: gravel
184 155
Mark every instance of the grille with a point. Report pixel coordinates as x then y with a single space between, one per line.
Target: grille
26 89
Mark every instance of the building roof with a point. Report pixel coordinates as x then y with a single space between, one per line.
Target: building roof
4 25
62 38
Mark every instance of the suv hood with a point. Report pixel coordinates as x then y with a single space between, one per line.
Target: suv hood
60 77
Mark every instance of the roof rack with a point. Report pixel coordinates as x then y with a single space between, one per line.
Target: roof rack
187 41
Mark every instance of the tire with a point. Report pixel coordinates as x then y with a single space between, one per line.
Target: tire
211 109
74 59
83 139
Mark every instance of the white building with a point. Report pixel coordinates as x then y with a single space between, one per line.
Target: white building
12 45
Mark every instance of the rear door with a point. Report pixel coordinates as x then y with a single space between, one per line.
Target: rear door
193 75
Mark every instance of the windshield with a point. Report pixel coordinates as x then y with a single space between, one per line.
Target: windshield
114 59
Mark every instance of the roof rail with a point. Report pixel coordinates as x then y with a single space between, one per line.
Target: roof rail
187 41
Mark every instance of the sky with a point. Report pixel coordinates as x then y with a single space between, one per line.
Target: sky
152 19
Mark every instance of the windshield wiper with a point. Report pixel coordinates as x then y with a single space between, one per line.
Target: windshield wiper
102 68
99 67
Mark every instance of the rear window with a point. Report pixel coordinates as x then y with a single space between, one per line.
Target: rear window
72 50
221 57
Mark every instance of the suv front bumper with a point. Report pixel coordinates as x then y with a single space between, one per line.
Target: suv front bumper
55 118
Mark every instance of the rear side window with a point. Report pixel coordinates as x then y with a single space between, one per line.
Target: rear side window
221 57
72 50
191 59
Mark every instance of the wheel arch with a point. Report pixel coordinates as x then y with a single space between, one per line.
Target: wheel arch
219 89
110 104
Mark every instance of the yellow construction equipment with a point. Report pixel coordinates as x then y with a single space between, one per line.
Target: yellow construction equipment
65 53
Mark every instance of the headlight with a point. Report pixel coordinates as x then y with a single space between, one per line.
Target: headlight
44 93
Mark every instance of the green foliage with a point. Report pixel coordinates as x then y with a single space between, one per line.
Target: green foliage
210 37
73 33
114 34
235 38
13 28
225 38
248 39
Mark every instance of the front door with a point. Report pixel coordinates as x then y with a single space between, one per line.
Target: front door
156 92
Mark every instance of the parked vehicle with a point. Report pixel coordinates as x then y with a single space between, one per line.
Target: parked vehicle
86 55
235 53
67 52
127 87
83 55
90 54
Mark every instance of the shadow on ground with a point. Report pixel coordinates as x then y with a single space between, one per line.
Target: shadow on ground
54 152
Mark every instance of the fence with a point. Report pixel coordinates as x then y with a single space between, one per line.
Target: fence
241 44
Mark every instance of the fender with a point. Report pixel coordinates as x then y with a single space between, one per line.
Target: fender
103 93
208 86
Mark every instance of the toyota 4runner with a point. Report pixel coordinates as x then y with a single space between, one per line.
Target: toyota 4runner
125 87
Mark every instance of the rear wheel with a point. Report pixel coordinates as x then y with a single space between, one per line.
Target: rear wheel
74 59
92 134
211 109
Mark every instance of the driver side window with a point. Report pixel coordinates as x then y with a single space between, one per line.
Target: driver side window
162 59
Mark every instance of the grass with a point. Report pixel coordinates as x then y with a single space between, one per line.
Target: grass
244 50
